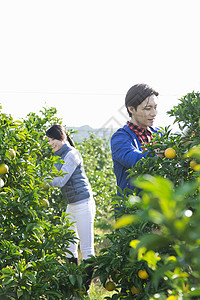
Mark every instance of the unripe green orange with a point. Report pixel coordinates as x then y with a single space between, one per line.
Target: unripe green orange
135 290
194 165
109 286
4 169
44 203
10 153
44 186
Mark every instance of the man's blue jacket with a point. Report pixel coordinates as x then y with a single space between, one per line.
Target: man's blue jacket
126 151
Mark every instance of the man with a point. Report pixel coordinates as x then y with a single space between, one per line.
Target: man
127 143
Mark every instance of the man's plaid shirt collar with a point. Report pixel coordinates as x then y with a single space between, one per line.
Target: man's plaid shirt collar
144 135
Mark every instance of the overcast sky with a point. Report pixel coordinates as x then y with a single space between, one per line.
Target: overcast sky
81 56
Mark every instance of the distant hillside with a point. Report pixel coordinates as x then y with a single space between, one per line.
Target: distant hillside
84 132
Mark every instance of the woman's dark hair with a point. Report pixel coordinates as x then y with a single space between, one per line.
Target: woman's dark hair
57 131
137 94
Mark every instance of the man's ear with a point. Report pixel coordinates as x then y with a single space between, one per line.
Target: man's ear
131 109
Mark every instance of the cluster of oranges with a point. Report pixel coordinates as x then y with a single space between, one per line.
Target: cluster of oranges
171 153
142 274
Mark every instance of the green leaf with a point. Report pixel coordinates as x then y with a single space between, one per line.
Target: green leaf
161 188
72 279
124 221
154 241
19 293
53 293
7 280
32 277
160 273
80 281
185 189
196 292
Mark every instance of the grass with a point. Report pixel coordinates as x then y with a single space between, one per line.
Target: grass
103 227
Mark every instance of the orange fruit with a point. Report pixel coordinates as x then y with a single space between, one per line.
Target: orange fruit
170 153
109 286
44 186
135 290
10 153
143 274
44 203
172 297
194 165
4 169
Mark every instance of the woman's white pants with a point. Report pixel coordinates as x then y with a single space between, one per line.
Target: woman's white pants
82 215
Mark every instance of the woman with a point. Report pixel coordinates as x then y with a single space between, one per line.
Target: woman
76 189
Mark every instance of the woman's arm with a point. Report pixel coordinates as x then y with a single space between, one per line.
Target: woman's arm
71 161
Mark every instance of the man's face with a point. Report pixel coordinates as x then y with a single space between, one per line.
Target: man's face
146 112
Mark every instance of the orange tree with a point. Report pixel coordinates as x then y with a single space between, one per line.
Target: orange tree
158 227
99 169
34 236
